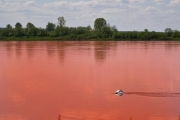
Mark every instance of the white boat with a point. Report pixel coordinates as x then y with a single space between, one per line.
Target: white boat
119 92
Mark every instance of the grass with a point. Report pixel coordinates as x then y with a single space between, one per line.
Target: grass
65 38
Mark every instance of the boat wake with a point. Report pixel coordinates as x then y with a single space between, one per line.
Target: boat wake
153 94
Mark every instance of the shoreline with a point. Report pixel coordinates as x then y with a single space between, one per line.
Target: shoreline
61 39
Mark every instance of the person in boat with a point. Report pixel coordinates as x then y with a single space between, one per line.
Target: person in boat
119 92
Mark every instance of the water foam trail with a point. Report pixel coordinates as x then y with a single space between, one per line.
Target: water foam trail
154 94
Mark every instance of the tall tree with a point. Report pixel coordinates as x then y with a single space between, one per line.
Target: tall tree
106 32
8 26
61 21
113 28
31 30
29 25
99 23
145 30
50 26
18 29
18 25
168 31
89 28
8 31
41 32
176 34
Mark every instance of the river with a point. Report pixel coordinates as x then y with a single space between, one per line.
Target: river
77 80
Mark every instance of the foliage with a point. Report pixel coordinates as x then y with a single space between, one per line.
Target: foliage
168 31
18 30
61 21
31 30
176 34
30 25
18 25
50 26
101 31
8 26
41 32
99 23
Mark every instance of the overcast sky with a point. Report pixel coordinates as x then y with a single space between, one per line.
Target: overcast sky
125 14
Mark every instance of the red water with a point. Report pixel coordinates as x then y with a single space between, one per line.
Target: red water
42 80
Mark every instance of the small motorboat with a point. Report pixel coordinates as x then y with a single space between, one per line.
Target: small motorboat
119 92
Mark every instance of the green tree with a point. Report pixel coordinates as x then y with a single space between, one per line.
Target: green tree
106 32
61 21
146 30
31 30
114 29
8 26
50 27
41 32
29 25
1 36
89 28
81 30
18 29
99 23
64 31
168 31
18 25
115 35
5 32
132 35
176 34
154 35
8 31
57 31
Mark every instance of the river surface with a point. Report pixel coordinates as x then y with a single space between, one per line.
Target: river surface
77 80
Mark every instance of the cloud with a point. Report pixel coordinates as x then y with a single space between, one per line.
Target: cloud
99 4
171 12
159 1
152 9
113 11
21 6
56 4
136 1
125 14
30 3
83 4
175 2
22 11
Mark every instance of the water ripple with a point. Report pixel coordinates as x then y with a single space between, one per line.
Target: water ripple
153 94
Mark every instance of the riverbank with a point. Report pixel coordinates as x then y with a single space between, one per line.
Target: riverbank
66 38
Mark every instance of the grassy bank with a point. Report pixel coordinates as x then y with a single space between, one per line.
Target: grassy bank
66 38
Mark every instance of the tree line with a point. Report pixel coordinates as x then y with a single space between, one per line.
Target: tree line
101 31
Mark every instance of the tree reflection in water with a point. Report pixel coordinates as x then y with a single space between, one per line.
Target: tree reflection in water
59 117
101 49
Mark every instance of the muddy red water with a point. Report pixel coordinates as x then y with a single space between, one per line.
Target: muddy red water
77 80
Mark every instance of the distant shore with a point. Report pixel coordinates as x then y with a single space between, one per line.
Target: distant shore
101 31
68 39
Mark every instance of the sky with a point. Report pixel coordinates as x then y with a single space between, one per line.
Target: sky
126 15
